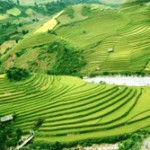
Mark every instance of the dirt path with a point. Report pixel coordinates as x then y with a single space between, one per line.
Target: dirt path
146 144
50 24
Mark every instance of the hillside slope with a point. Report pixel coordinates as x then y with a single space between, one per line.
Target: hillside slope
112 40
125 32
72 109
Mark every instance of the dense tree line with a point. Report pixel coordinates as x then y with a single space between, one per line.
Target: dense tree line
132 141
5 5
135 2
141 1
69 61
55 6
17 74
124 73
9 136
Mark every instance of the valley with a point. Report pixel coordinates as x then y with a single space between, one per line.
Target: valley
74 74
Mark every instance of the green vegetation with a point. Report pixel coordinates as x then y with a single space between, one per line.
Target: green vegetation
94 29
17 74
9 136
54 58
6 6
38 123
89 40
136 2
86 10
128 141
56 6
134 141
72 109
126 32
70 12
45 146
14 12
21 52
68 61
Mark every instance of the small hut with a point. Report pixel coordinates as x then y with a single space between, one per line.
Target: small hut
7 118
110 49
97 69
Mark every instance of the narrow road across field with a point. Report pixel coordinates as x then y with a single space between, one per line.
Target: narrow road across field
121 80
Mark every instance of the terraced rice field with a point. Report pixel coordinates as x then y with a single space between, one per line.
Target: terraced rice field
73 109
126 32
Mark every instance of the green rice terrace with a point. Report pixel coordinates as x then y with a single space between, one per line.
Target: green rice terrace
72 109
111 40
54 57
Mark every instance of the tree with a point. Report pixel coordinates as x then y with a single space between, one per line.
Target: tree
24 32
17 74
69 61
9 136
18 2
38 123
58 146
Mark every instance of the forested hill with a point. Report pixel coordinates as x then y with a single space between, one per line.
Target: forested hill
46 6
10 3
5 5
33 2
140 1
42 6
135 2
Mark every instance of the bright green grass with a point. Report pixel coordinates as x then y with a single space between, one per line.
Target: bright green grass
77 15
2 16
73 109
30 12
14 11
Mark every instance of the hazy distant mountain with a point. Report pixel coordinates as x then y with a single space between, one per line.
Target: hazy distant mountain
31 2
